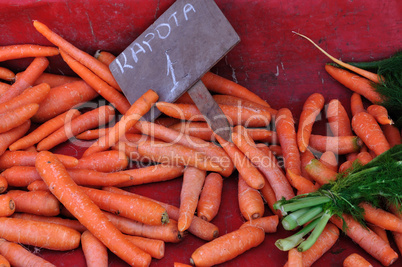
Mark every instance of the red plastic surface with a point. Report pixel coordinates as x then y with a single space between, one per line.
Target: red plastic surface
270 60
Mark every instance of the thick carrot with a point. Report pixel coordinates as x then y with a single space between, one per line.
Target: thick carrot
319 172
63 98
82 208
338 119
221 85
3 184
311 109
339 145
329 159
367 239
35 202
295 258
381 232
7 206
17 116
237 101
38 185
268 223
44 130
9 137
364 157
381 218
4 87
380 113
87 60
20 176
91 119
95 252
356 103
6 74
392 134
112 95
17 51
366 127
210 197
104 56
303 185
138 109
250 201
167 232
193 180
228 246
54 80
4 262
17 255
105 161
355 83
356 260
32 72
154 247
71 223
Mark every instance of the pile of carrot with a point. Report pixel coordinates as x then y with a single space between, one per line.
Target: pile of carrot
61 202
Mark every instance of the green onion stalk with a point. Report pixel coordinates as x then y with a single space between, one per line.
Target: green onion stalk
378 182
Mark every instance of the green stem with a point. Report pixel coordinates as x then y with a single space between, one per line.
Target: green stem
290 221
315 233
305 203
308 216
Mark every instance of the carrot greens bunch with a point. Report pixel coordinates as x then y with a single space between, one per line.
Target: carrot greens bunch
377 182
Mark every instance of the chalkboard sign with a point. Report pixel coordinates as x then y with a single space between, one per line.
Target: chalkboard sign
175 51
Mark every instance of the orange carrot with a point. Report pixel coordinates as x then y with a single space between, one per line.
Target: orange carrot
364 157
4 262
367 239
355 260
63 98
131 151
166 121
355 83
91 119
17 116
95 252
179 264
303 185
54 80
154 247
106 161
268 223
35 202
381 232
112 95
86 177
250 202
71 223
17 255
44 130
210 198
97 133
380 113
381 218
338 119
305 159
269 197
329 159
295 258
87 60
228 246
3 184
6 74
356 103
20 176
366 127
319 172
221 85
392 134
193 180
37 66
104 56
82 208
38 185
345 167
7 206
39 234
339 145
4 87
17 51
237 101
311 108
9 137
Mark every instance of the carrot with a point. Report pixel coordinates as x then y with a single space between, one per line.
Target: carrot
38 185
32 72
104 56
381 218
44 130
105 161
131 151
367 239
355 260
210 197
269 197
295 258
91 119
381 232
95 252
305 159
366 127
4 262
311 108
228 246
4 87
6 74
329 159
154 247
7 206
71 223
268 223
356 103
17 255
179 264
286 132
237 101
339 145
3 184
392 134
20 176
35 202
221 85
112 95
338 119
319 172
250 202
54 80
87 60
26 158
63 98
364 157
86 177
82 208
92 134
9 137
17 116
135 208
167 232
303 185
138 109
9 52
354 82
380 113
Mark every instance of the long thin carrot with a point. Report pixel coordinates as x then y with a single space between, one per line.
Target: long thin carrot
295 258
221 85
9 137
97 133
104 56
339 145
154 247
356 103
268 194
381 218
210 197
319 172
32 72
17 51
7 206
98 179
356 260
105 161
6 74
87 60
338 119
392 134
228 246
366 127
268 223
17 255
95 252
91 119
380 113
381 232
250 201
17 116
311 108
237 101
82 208
305 159
35 202
53 80
112 95
71 223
